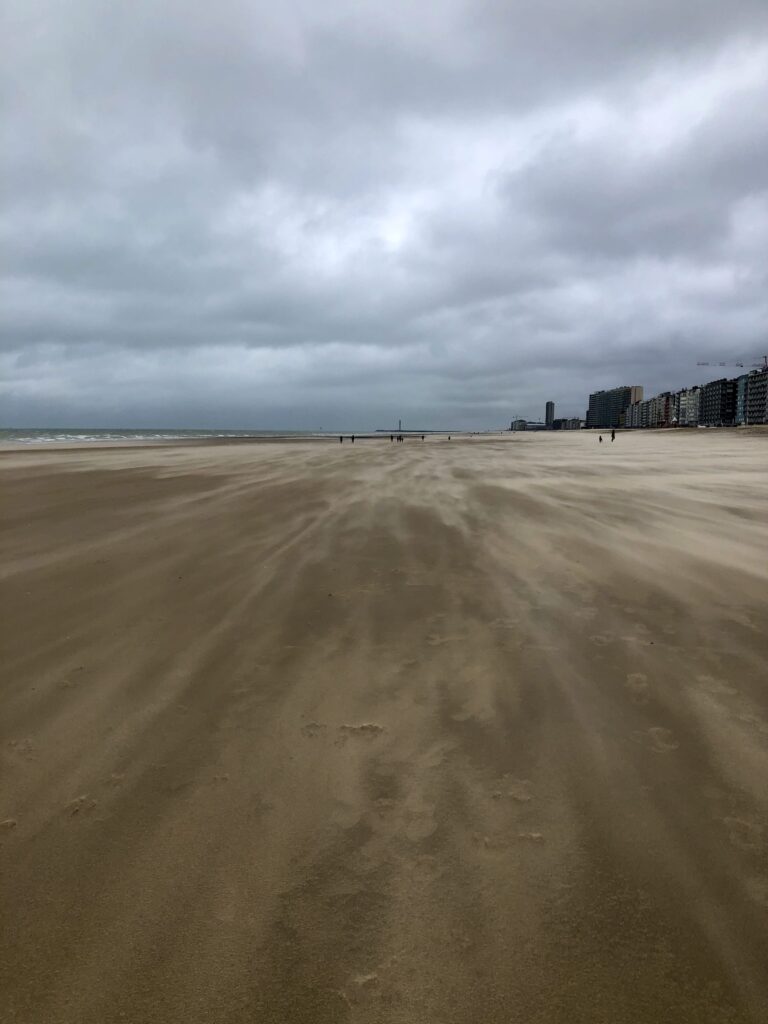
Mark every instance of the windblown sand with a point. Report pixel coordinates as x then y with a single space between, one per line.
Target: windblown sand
468 731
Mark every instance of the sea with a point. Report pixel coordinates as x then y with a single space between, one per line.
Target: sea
85 435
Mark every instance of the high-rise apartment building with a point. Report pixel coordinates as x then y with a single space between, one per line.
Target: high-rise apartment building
742 390
757 398
607 408
549 416
666 408
717 406
751 405
688 407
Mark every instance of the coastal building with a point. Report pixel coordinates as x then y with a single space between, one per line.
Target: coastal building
751 398
658 410
720 403
742 389
632 415
566 423
757 398
607 408
694 405
675 409
549 414
717 406
518 425
688 407
652 412
666 403
669 409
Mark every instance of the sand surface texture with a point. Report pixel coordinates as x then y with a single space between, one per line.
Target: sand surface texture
445 732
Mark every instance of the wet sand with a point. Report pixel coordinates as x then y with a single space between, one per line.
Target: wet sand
434 732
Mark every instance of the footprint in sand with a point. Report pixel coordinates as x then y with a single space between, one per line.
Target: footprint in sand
385 805
80 803
366 980
368 729
346 816
427 865
636 684
601 639
662 740
361 989
312 729
520 790
419 825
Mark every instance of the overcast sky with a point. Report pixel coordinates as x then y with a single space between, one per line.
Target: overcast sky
335 214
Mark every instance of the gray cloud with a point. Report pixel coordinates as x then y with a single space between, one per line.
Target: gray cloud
333 215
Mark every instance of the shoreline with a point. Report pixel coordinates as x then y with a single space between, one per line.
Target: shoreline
757 430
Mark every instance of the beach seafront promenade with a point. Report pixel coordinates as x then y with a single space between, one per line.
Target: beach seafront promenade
468 731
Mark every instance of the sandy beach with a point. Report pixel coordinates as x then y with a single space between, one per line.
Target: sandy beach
468 731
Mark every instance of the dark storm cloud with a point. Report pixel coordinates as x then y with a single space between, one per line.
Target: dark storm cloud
315 215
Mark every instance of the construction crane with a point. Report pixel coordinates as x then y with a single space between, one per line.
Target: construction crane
721 364
761 366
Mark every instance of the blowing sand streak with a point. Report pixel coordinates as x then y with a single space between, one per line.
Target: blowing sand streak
426 732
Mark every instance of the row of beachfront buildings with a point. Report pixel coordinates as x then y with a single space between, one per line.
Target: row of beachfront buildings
740 401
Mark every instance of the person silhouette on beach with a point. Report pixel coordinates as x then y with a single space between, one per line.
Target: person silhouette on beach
601 439
341 440
613 435
353 439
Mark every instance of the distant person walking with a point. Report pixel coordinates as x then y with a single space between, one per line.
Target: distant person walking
613 435
341 440
353 439
391 438
601 439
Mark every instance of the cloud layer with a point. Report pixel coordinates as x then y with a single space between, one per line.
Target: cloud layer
305 215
